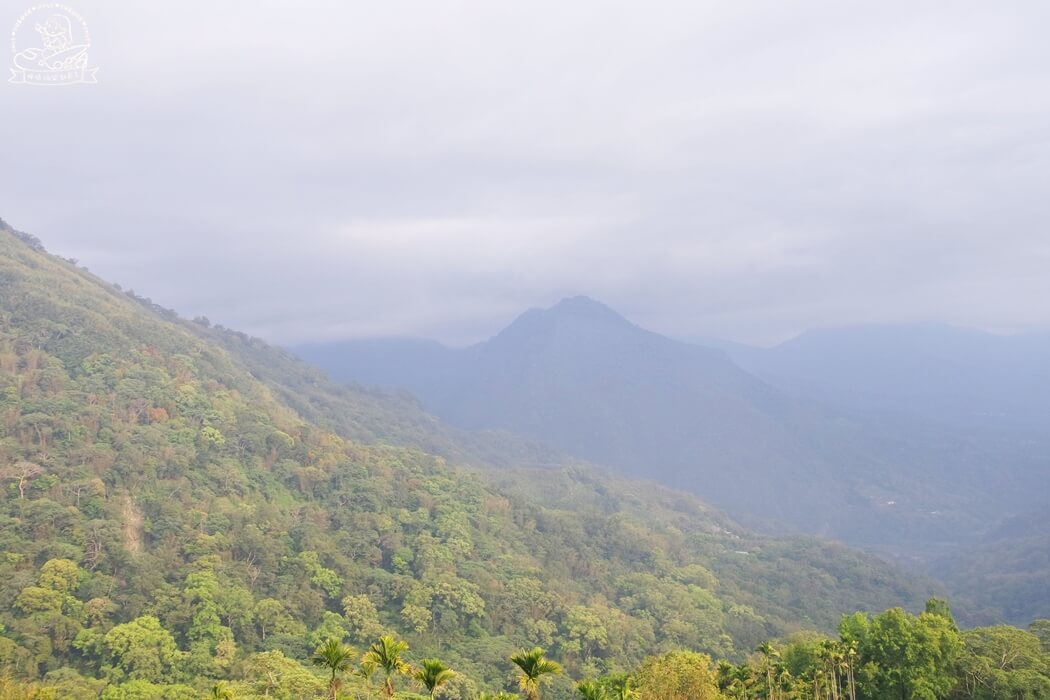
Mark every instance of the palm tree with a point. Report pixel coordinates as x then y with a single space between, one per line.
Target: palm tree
534 666
337 658
848 659
386 655
433 675
783 678
591 690
725 675
733 680
220 691
769 651
743 680
497 696
831 656
620 687
366 671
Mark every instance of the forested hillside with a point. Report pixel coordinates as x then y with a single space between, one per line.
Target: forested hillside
1007 573
365 414
168 518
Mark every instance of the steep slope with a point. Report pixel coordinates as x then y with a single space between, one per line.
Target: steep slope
368 414
156 489
592 384
950 375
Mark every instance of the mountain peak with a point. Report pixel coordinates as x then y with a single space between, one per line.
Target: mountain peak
583 306
569 312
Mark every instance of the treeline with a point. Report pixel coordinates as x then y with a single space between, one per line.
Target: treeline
887 656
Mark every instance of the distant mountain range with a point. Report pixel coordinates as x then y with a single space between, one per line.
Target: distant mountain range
943 374
761 433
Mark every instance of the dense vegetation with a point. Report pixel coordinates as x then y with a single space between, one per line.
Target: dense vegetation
890 655
170 520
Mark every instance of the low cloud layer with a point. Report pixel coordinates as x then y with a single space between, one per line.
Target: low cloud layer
325 170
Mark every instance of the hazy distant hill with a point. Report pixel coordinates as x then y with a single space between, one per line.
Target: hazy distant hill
584 379
940 373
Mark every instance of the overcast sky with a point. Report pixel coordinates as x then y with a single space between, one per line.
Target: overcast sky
739 169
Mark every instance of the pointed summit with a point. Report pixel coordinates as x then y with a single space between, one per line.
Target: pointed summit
583 306
570 312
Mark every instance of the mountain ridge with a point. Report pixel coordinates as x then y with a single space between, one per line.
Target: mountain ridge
936 372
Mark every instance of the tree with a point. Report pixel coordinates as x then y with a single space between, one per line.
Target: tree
363 617
591 690
848 663
60 575
1041 629
725 675
677 675
769 654
534 667
144 650
831 659
903 656
940 606
1002 662
270 674
221 691
386 654
733 680
366 671
24 472
336 657
433 674
620 686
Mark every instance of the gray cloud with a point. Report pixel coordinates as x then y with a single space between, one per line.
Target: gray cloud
306 171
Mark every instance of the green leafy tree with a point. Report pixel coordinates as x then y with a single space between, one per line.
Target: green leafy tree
61 575
362 616
677 675
144 650
939 606
145 690
1002 662
533 669
270 674
902 655
1041 629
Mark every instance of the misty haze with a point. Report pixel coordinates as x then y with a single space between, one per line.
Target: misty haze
478 351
